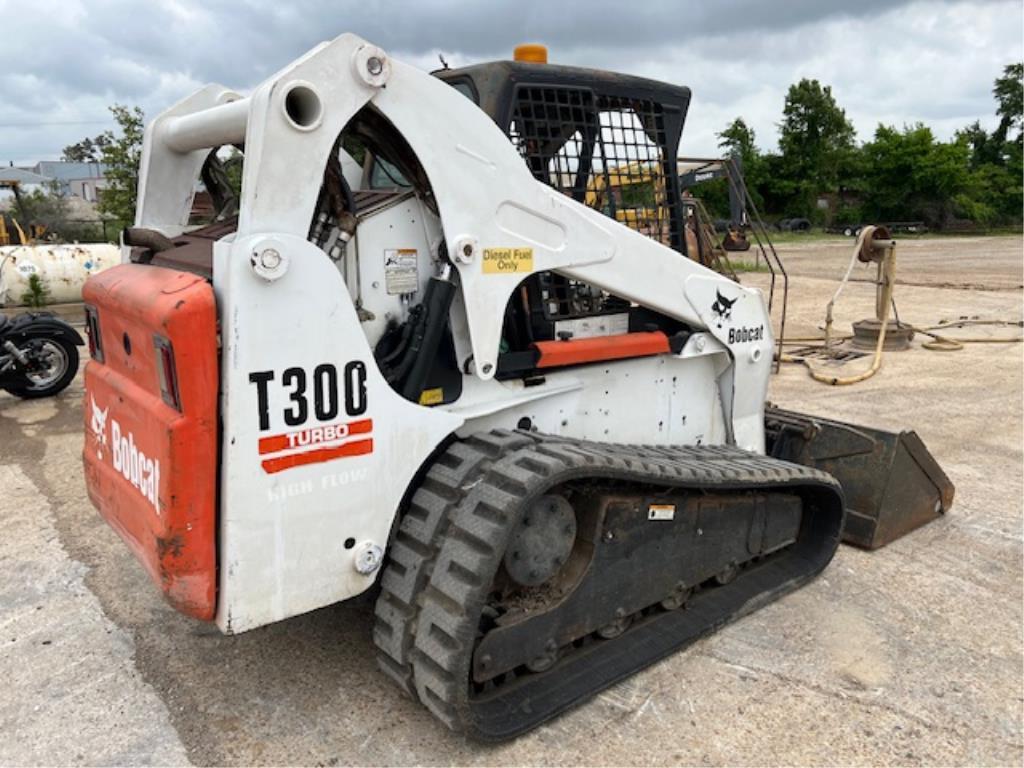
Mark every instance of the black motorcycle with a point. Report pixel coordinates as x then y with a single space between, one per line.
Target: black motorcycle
38 354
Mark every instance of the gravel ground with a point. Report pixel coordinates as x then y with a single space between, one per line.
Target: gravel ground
909 655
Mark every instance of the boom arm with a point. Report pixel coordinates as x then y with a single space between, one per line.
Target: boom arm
709 170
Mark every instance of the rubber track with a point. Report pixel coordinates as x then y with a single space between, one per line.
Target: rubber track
451 540
412 553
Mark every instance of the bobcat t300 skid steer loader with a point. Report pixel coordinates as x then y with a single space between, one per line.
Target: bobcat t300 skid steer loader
539 425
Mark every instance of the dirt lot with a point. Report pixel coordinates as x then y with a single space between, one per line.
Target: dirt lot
909 655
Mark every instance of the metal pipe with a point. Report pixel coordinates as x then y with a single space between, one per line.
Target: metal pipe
16 353
208 128
147 238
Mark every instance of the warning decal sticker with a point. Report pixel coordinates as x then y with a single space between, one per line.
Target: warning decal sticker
401 271
508 261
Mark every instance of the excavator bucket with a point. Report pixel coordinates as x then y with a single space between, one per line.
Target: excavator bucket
891 482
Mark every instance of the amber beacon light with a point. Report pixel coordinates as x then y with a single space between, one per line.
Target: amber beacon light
532 52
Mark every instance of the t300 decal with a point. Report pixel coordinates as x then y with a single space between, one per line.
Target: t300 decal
315 401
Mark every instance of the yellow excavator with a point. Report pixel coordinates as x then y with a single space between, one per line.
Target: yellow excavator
634 193
11 232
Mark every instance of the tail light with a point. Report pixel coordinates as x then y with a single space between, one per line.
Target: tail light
166 372
92 330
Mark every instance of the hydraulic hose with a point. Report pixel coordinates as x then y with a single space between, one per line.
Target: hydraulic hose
884 304
888 274
423 352
941 343
864 233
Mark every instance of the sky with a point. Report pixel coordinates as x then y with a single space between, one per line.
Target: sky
63 62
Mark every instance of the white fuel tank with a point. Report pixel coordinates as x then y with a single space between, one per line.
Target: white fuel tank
62 268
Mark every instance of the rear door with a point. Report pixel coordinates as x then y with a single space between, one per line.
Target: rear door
151 423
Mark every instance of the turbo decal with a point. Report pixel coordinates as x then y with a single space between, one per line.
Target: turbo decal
316 445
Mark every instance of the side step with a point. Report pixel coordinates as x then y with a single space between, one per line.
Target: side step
891 482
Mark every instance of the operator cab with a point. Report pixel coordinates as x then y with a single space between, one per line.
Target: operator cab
608 141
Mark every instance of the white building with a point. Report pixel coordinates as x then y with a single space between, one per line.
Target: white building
82 180
26 180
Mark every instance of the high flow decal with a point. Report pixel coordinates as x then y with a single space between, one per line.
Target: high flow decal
142 471
315 401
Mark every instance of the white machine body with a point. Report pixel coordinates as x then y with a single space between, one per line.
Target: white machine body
298 326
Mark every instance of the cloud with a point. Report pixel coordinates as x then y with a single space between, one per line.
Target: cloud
63 63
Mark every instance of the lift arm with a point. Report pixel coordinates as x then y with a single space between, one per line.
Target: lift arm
500 223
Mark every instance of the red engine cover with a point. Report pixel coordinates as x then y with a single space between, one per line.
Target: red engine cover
150 468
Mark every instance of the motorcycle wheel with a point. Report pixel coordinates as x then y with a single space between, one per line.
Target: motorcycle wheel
61 365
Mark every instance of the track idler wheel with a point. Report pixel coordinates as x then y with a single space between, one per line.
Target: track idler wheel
541 542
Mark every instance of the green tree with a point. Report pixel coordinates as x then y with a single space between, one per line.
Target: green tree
816 142
985 147
121 153
910 175
737 140
994 192
86 151
989 195
1009 93
1012 203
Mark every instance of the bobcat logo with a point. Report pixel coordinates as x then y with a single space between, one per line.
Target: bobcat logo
98 424
722 308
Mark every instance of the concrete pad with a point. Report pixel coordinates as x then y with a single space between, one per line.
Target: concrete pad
910 655
73 693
